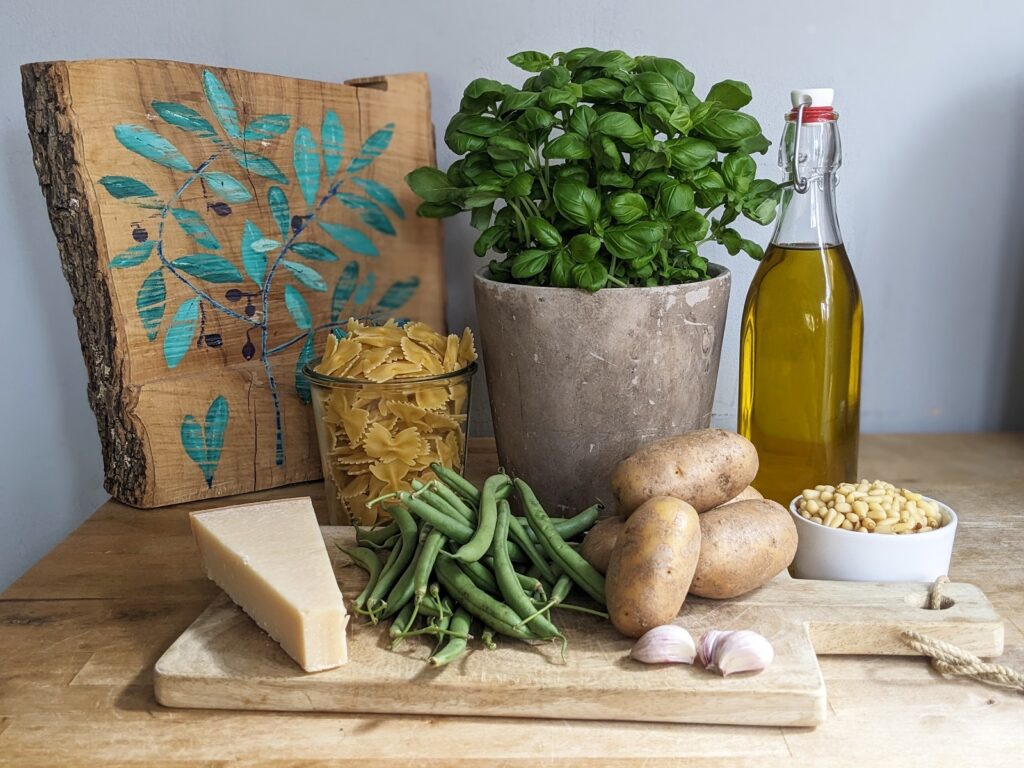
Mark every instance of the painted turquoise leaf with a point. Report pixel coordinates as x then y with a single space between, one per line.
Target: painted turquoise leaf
343 289
351 238
266 127
181 332
372 148
314 252
398 294
279 209
364 291
152 146
308 276
192 440
192 224
265 245
306 161
369 212
381 194
332 140
125 186
151 302
213 435
185 118
261 166
227 187
133 256
208 267
254 262
297 307
222 105
301 382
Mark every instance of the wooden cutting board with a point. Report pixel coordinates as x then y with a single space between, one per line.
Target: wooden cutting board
224 661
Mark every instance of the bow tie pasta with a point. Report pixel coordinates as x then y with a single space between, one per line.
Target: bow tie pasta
400 402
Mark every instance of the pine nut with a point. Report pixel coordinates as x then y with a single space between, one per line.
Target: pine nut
869 507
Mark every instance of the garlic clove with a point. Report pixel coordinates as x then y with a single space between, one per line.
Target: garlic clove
667 644
732 652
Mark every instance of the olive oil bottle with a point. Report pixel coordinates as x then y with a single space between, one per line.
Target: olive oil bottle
802 324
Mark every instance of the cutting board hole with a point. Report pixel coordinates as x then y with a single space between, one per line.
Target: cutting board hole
922 602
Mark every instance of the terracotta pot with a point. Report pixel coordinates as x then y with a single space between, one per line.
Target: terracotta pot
579 380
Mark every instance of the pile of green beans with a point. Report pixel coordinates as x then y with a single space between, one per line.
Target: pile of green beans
454 554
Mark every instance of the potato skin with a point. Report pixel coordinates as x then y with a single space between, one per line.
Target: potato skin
705 468
750 493
743 545
652 565
600 540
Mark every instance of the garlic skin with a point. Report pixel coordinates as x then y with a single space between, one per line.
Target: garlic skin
729 652
667 644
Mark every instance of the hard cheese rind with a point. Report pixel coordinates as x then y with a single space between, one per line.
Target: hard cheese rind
271 560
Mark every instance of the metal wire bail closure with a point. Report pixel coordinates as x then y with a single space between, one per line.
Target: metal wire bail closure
799 184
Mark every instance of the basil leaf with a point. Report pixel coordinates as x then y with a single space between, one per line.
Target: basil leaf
581 119
432 185
681 78
545 233
554 77
552 98
654 86
584 248
615 179
634 241
739 170
674 199
529 263
520 185
602 89
731 239
752 249
591 276
627 207
561 270
517 101
731 94
488 239
531 61
727 128
535 119
576 201
568 146
505 148
437 210
621 126
692 227
690 154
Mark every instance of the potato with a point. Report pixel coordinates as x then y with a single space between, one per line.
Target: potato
743 545
749 493
599 541
652 565
704 468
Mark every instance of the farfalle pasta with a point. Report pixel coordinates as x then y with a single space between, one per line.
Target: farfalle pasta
389 400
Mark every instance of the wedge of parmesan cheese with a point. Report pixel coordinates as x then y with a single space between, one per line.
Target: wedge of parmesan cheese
271 560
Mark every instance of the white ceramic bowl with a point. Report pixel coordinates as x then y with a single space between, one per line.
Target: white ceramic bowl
835 554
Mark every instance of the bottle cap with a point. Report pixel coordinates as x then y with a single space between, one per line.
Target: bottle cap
812 97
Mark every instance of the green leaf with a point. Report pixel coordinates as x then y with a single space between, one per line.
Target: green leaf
121 187
152 146
627 207
621 126
277 201
530 61
518 101
728 128
645 160
372 148
208 267
480 217
343 289
133 256
181 332
253 261
568 146
305 357
602 89
437 210
674 199
530 263
656 87
313 252
221 104
680 77
752 249
584 248
581 120
609 155
308 276
185 118
576 201
535 119
731 94
591 276
351 238
432 185
476 125
634 241
545 233
297 308
758 144
738 170
488 238
615 179
261 166
226 187
506 148
555 76
573 58
151 302
520 186
553 98
266 127
731 239
561 270
764 212
690 154
608 60
306 162
692 227
483 87
332 142
192 224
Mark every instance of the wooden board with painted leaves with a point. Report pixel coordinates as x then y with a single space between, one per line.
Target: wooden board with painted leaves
214 225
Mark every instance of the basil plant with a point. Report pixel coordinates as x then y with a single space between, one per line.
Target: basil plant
602 169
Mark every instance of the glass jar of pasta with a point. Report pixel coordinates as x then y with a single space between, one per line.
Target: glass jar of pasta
388 401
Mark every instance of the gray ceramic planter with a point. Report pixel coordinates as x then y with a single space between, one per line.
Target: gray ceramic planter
578 381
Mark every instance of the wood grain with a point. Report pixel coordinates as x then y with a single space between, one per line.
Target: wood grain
111 598
223 327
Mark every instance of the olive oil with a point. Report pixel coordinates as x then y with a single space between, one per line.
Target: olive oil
800 360
802 325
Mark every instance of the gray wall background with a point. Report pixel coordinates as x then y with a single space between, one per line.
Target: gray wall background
931 96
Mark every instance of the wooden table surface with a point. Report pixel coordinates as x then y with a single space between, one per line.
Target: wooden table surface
79 634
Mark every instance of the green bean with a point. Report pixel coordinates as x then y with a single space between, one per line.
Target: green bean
456 482
366 559
454 529
504 492
561 588
482 577
505 575
487 514
522 538
402 592
571 562
401 624
568 527
454 500
456 645
406 550
425 565
530 584
375 536
440 504
496 615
